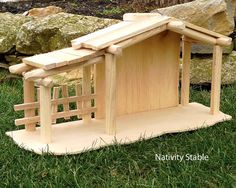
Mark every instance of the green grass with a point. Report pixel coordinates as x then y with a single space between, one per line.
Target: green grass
132 165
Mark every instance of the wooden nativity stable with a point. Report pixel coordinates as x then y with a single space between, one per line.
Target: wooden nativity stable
135 69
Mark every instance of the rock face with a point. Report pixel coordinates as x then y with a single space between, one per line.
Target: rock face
208 49
9 26
56 31
43 12
200 69
215 15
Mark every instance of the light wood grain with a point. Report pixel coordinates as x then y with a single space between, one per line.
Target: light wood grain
127 32
29 96
86 90
55 96
61 58
65 94
78 90
110 61
139 16
20 68
216 80
185 84
45 115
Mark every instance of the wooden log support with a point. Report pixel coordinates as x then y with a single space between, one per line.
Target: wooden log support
110 69
38 101
66 107
45 115
20 68
216 79
185 84
55 96
78 89
29 96
86 90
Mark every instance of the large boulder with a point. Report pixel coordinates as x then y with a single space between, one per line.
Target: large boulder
56 31
215 15
200 69
9 26
43 12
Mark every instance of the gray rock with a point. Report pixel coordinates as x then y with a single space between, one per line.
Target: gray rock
9 26
215 15
56 31
208 49
200 69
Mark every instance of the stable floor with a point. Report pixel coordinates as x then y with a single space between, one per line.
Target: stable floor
76 137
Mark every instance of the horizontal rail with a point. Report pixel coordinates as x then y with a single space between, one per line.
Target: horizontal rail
35 119
33 105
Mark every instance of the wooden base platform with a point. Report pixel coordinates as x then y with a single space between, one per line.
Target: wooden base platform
76 137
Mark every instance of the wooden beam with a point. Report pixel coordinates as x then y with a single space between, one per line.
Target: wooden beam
86 90
58 115
41 73
33 105
185 73
66 104
176 25
55 96
139 16
78 89
45 115
216 80
29 96
20 68
110 66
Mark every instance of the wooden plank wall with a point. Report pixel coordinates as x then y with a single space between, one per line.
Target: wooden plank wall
147 76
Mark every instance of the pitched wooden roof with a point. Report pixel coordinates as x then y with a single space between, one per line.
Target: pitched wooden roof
135 28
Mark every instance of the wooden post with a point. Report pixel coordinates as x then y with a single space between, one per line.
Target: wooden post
55 95
185 84
216 79
65 95
86 90
78 89
45 114
110 68
29 96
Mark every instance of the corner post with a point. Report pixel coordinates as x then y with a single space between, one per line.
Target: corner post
110 70
86 90
45 114
29 96
185 83
216 80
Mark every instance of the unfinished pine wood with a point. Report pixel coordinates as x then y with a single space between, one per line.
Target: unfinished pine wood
86 90
76 137
77 43
45 115
66 108
55 106
41 73
20 68
216 80
139 16
185 84
110 119
147 76
29 96
58 115
61 58
78 90
127 32
33 105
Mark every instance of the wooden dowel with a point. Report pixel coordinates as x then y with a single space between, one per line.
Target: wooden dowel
66 104
216 80
110 68
176 25
33 105
58 115
114 49
41 73
86 90
38 101
139 16
20 68
45 115
185 84
55 96
29 96
78 88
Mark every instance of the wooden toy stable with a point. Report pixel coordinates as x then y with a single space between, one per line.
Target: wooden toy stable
136 72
